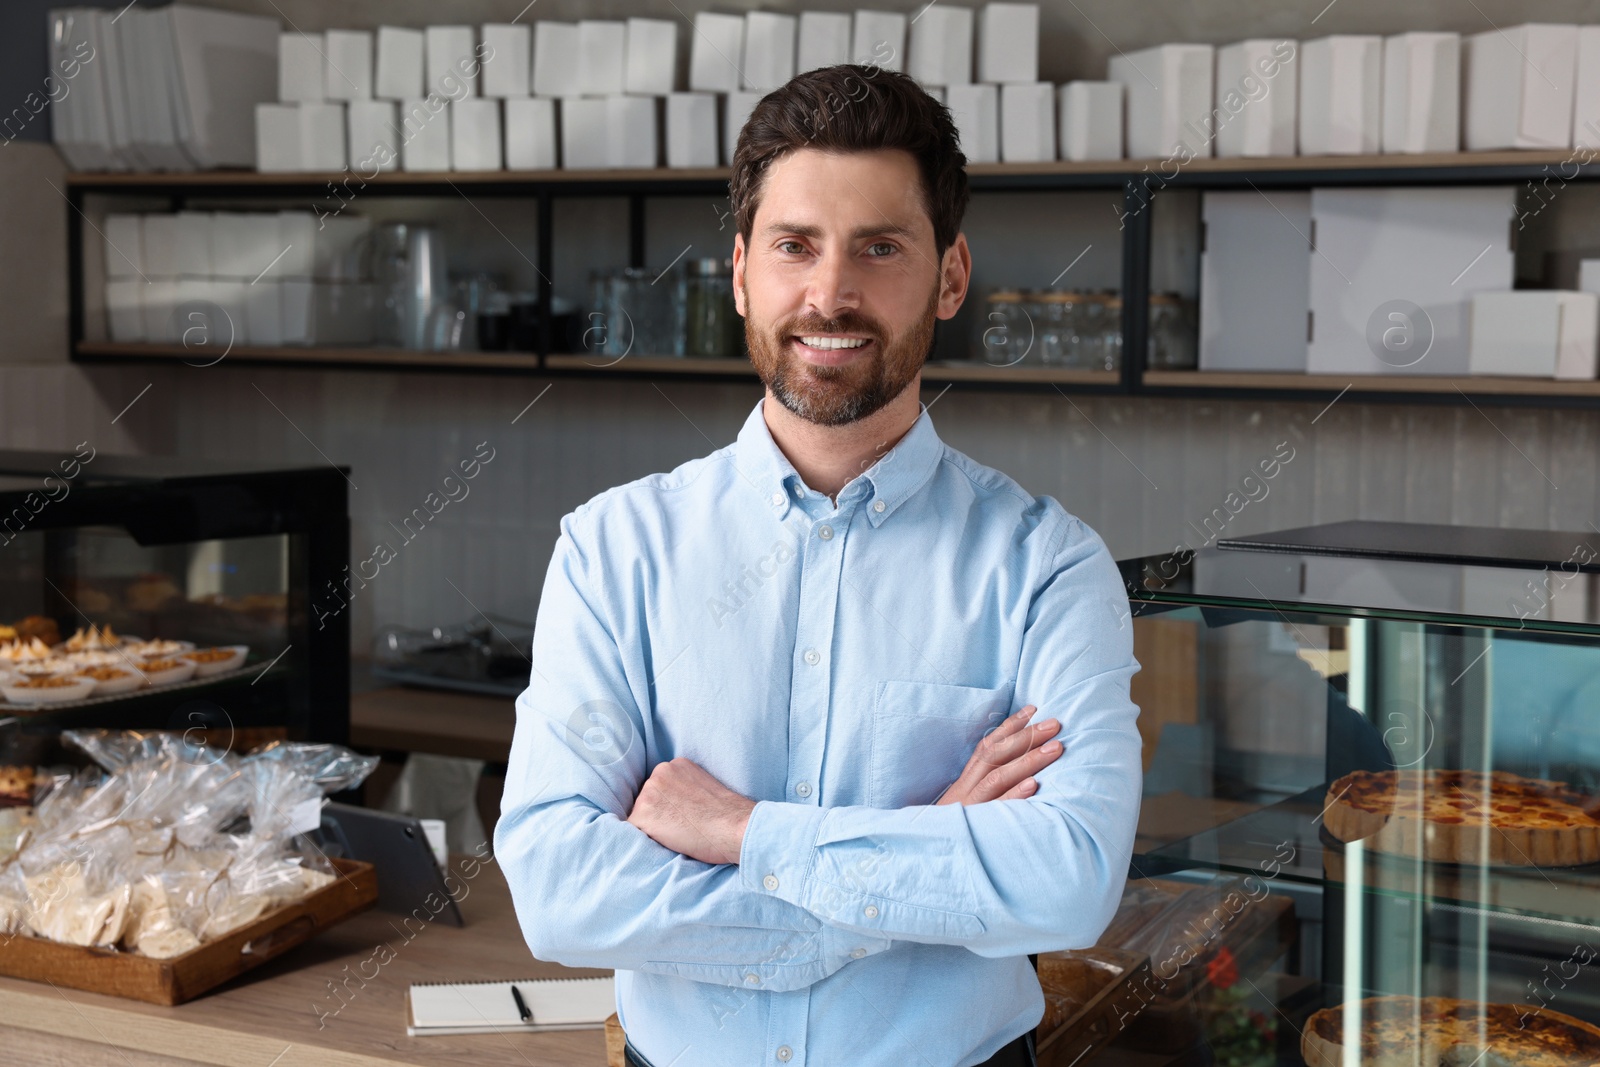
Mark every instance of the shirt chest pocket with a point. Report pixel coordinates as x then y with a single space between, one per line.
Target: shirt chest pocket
923 733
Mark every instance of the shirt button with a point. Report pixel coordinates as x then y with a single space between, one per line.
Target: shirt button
799 490
812 657
784 1052
857 953
826 533
751 979
878 505
870 911
770 881
777 498
804 789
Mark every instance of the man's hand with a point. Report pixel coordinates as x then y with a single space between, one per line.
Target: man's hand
685 809
1002 765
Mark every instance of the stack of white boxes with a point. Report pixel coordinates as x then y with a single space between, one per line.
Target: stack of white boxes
217 281
1006 113
1170 89
305 130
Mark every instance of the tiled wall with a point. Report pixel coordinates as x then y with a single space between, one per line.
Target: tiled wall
1145 473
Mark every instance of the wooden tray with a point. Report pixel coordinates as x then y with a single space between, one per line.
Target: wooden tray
184 977
1087 981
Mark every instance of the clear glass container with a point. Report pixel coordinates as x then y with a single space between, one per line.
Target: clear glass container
1007 335
1056 328
634 313
1110 347
712 326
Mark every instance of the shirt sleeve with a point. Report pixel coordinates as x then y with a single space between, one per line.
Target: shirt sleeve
1009 877
591 890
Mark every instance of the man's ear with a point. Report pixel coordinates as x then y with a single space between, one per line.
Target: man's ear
955 275
738 274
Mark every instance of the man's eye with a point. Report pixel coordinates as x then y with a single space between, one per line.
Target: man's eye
881 248
792 248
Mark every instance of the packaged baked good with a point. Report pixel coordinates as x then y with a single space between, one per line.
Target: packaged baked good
1441 1030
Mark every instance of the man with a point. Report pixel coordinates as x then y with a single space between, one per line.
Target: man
784 761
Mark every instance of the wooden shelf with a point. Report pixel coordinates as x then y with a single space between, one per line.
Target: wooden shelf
981 174
376 358
1231 381
673 365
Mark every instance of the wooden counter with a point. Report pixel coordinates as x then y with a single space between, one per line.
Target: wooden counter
401 719
328 1003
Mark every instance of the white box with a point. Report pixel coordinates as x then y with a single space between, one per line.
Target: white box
1535 333
1341 108
193 318
296 302
424 135
1255 280
1422 92
192 247
475 134
941 46
1431 248
975 109
348 75
125 309
531 133
322 137
160 245
451 66
1008 43
399 65
124 245
243 243
1091 120
297 232
1168 106
1519 85
1589 275
737 108
879 40
278 138
938 93
632 139
507 56
160 299
602 55
584 141
824 40
1027 122
1257 98
373 136
691 130
1586 105
555 58
300 67
263 313
652 67
769 41
714 53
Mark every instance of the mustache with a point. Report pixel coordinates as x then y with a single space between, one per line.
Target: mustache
850 323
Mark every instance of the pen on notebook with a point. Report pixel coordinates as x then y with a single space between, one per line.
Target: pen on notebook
522 1005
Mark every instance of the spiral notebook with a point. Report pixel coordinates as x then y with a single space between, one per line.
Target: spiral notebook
488 1007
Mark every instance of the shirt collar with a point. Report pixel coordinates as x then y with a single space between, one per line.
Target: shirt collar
892 480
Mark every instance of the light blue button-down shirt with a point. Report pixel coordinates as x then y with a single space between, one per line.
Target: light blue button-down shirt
838 663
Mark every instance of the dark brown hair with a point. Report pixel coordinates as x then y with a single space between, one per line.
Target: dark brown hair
853 108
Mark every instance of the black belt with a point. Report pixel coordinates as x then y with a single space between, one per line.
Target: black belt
1018 1053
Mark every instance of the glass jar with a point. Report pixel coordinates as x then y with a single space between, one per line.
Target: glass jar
1111 333
634 313
1056 326
1172 333
712 327
1089 340
1005 337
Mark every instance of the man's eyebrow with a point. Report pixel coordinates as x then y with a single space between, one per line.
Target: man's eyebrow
885 229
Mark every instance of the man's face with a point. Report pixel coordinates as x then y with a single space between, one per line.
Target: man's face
840 283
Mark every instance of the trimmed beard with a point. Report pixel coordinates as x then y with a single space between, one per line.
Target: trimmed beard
834 396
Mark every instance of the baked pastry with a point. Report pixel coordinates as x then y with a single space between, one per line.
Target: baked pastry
16 786
1402 1031
24 650
1466 817
40 626
151 592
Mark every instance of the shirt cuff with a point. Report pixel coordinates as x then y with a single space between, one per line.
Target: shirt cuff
778 849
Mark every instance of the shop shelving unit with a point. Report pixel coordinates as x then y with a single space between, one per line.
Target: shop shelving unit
1139 183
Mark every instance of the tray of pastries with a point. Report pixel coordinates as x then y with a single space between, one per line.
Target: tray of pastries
1403 1031
97 662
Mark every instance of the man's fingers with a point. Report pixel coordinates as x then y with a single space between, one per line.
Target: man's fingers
999 749
999 782
1021 791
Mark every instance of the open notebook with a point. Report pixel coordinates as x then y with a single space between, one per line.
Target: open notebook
488 1007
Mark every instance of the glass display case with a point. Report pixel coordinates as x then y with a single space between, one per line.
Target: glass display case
1385 773
193 595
